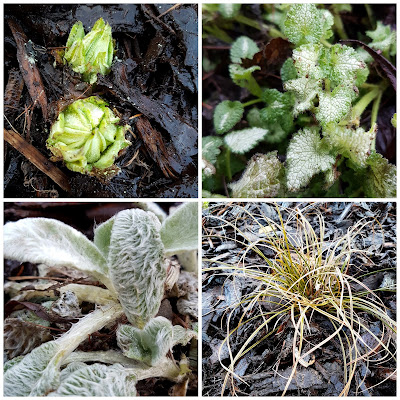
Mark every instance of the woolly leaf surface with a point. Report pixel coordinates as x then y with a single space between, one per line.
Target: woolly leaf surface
242 48
179 232
136 261
226 115
306 157
260 178
51 242
98 380
244 140
149 344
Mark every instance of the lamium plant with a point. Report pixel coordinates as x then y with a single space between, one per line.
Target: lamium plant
318 129
130 258
87 137
92 53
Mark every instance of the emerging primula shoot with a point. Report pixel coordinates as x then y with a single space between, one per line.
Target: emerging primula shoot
129 256
92 53
86 136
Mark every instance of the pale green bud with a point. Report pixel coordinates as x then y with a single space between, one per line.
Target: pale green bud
86 136
90 54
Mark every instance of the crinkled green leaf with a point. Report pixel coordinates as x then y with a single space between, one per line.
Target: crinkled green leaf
51 242
243 77
306 157
226 115
383 38
97 380
327 23
278 110
211 148
334 106
305 23
305 91
229 10
244 140
242 48
260 178
381 177
288 70
354 144
136 262
149 344
179 232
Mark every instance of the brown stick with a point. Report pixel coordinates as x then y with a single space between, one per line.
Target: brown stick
37 159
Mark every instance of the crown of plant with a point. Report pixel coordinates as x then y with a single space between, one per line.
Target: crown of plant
86 136
92 53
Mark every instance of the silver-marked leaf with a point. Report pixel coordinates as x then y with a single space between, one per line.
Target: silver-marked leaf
226 115
242 48
229 10
306 157
149 344
179 232
51 242
244 140
136 262
98 380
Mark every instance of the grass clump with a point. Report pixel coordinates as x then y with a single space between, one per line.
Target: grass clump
307 278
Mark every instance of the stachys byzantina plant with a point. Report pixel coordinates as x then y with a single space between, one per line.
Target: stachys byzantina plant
129 255
86 136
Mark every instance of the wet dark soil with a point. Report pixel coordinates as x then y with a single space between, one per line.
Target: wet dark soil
266 367
154 73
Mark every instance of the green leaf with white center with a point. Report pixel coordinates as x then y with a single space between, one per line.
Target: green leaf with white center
306 157
306 60
260 178
211 148
226 115
179 232
243 77
229 10
381 178
334 106
305 23
244 140
354 144
97 380
242 48
305 91
383 38
136 263
342 65
53 243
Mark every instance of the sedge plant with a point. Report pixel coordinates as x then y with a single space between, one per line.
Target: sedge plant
306 278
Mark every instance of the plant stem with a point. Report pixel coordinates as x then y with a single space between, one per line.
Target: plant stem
273 32
326 43
371 16
228 164
339 26
251 102
363 103
375 108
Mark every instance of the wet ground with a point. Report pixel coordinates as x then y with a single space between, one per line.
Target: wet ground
154 73
266 367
